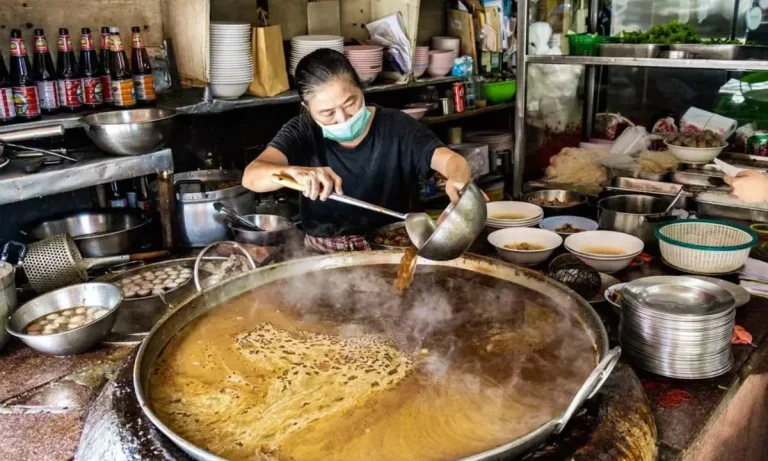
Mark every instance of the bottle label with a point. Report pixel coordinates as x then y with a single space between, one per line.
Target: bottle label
26 101
137 41
106 88
123 93
64 43
145 87
115 43
86 42
7 107
48 93
70 92
92 90
17 47
104 45
145 205
41 44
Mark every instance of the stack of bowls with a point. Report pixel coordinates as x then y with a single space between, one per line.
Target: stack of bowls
366 59
440 63
231 59
678 327
302 45
420 61
503 215
452 44
606 251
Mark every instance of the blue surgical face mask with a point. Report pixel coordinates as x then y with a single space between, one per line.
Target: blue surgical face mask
348 130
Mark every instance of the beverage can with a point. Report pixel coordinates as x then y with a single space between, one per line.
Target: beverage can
70 92
123 93
7 107
145 87
48 94
757 144
458 97
92 90
26 101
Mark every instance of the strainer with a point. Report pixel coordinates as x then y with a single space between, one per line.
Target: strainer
56 262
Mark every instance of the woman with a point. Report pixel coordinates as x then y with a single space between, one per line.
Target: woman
749 185
341 145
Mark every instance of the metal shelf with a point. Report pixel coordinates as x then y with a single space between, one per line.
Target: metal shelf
651 62
467 113
92 168
68 120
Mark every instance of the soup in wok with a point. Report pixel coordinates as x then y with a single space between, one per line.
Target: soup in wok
335 364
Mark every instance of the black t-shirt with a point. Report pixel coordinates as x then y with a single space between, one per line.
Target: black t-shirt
380 170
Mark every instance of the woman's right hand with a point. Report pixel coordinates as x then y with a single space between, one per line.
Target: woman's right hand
318 182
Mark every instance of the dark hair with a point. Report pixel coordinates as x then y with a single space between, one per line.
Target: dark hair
320 67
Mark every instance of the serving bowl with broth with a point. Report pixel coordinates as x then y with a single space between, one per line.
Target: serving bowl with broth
526 246
606 251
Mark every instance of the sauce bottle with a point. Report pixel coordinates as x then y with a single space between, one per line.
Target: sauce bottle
105 63
123 93
141 69
89 71
24 88
45 75
70 86
7 108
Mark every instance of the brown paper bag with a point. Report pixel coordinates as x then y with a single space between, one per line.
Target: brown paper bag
269 74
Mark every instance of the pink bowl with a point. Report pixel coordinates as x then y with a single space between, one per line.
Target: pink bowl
438 72
419 71
416 113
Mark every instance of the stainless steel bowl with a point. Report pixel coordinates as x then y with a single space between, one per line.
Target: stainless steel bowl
572 199
130 132
94 294
98 233
276 230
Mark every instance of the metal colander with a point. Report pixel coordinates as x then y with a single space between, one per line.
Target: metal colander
53 263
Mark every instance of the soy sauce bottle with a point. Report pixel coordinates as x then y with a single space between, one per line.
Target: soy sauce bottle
89 72
23 85
143 81
45 75
105 64
7 108
123 93
70 86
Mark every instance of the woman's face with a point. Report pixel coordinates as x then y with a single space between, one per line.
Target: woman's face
335 102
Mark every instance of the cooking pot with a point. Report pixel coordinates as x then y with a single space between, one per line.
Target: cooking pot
634 214
219 294
197 222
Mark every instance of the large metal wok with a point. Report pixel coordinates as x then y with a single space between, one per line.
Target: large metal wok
219 294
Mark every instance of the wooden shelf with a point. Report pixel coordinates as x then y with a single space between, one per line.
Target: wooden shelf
434 120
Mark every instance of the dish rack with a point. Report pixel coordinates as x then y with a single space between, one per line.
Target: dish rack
705 246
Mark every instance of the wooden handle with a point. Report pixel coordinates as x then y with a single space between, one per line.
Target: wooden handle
287 181
148 255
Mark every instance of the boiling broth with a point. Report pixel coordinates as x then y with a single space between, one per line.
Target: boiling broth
335 365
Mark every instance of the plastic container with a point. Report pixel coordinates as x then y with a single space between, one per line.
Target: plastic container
500 92
585 44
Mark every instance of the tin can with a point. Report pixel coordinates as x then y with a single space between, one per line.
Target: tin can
757 144
447 105
458 97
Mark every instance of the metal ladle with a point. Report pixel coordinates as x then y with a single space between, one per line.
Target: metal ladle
232 214
462 222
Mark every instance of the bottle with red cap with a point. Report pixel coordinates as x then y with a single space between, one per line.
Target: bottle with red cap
7 108
123 93
23 85
70 86
104 65
141 69
45 75
89 71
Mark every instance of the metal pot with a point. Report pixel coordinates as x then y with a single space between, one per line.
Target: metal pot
197 223
98 233
214 296
276 230
634 214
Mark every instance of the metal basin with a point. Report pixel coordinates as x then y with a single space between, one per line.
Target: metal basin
219 295
98 233
74 341
277 229
569 199
130 132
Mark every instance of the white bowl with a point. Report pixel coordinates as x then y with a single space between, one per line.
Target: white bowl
583 244
555 222
526 210
229 90
549 240
609 266
608 294
695 154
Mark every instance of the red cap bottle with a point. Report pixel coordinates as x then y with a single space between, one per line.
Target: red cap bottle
23 85
45 75
123 93
70 88
89 71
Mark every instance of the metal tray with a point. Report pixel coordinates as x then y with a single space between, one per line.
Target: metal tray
744 160
625 50
723 52
719 210
643 186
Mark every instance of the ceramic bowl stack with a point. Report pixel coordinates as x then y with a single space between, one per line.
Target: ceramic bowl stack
366 59
504 215
678 327
452 44
420 61
231 59
302 45
440 63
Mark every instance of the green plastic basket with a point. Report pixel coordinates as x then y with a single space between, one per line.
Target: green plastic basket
585 44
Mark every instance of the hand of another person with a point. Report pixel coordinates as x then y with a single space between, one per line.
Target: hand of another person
749 185
318 182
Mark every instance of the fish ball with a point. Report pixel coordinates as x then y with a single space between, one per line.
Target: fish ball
68 313
144 291
80 310
130 294
52 316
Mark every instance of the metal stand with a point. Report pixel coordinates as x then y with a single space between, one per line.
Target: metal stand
166 200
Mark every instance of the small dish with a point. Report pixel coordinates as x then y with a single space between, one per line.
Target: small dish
611 296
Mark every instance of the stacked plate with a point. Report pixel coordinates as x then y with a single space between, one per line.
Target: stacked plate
420 61
231 59
504 215
366 59
440 63
302 45
678 327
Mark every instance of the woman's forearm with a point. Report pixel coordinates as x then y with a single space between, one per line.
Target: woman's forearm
258 174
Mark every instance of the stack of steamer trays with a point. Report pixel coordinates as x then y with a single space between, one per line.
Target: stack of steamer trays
678 327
